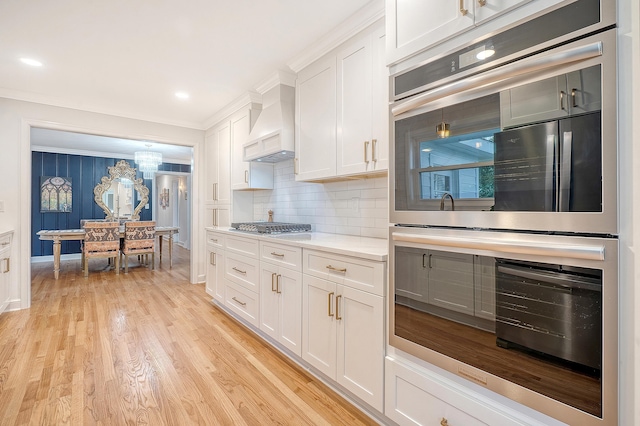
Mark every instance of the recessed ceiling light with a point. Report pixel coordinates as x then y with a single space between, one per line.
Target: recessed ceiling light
182 95
485 54
31 62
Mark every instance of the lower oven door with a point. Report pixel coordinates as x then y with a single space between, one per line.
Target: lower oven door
532 317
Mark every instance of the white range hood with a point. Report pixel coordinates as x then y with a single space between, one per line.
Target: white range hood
272 137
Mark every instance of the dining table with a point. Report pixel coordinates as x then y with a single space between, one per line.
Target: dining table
59 235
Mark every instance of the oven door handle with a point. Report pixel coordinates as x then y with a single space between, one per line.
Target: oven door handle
524 66
556 278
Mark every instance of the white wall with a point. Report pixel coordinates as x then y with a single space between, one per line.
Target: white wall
353 207
16 120
165 216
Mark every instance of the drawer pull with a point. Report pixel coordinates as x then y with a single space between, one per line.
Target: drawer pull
212 258
7 264
5 243
239 271
273 282
213 240
239 302
273 253
332 268
444 422
278 284
329 297
338 317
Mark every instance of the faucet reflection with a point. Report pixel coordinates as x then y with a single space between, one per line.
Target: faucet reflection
445 195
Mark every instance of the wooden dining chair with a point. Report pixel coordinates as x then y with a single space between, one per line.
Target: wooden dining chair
139 240
101 239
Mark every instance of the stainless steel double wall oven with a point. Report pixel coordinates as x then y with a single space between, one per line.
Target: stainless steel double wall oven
504 195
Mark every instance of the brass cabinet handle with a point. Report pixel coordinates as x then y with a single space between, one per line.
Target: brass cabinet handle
7 264
6 243
241 303
295 166
329 297
215 191
213 240
482 3
239 271
273 279
246 176
273 253
374 157
338 317
444 422
562 95
331 268
573 97
212 258
278 280
463 11
366 147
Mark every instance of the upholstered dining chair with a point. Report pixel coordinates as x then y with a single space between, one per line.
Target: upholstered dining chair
101 239
139 240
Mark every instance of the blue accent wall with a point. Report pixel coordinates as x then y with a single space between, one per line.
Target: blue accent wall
85 173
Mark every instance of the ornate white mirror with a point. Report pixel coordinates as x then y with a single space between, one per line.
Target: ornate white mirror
115 193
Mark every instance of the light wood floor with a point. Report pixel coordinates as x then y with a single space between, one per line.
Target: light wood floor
146 348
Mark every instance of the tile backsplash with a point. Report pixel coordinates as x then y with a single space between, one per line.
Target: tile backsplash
353 207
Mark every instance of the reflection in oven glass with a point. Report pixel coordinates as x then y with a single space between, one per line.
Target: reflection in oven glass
536 325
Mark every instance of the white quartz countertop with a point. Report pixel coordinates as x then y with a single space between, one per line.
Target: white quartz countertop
348 245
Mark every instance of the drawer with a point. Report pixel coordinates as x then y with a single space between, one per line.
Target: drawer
362 274
242 245
215 239
243 302
242 270
280 254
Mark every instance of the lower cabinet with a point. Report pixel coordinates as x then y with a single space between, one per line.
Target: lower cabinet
281 305
215 283
342 336
5 267
244 302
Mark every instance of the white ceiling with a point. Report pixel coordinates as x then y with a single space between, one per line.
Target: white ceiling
128 58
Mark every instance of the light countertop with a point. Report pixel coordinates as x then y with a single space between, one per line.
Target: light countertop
349 245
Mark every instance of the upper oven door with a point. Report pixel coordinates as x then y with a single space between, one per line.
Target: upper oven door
453 157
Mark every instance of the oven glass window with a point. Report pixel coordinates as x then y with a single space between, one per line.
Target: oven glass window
535 324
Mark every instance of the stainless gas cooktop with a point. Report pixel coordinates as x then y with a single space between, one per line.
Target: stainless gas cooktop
271 227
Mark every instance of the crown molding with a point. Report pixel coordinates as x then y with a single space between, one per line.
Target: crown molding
357 22
277 78
102 154
239 103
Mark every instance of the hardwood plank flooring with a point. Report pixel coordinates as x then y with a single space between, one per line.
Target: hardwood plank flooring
147 348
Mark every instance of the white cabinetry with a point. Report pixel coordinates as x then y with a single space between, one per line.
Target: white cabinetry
362 136
315 139
217 154
342 111
241 272
215 283
5 268
414 26
342 323
281 294
246 174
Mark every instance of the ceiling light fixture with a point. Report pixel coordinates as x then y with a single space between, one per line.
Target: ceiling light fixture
182 95
31 62
487 53
148 161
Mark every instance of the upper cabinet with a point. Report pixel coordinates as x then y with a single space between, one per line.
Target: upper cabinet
342 111
415 26
218 174
362 120
246 174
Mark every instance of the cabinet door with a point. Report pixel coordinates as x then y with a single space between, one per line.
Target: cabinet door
289 288
211 168
584 89
5 292
269 300
451 281
411 275
319 324
538 101
485 287
215 274
210 282
360 361
380 104
354 107
246 174
219 215
489 9
222 161
315 140
413 26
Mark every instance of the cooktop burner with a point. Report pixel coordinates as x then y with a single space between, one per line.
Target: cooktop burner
271 227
